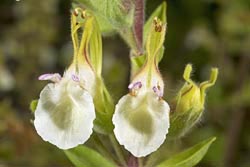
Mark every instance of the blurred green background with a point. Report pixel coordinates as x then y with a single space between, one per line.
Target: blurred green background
35 39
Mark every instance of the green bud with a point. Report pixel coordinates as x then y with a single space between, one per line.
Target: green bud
189 103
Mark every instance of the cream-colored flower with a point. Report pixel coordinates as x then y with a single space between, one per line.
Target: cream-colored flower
65 111
141 117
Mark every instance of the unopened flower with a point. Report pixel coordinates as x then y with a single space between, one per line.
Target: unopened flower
189 103
65 111
141 117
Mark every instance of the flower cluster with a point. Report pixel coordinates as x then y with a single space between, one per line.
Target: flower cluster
74 104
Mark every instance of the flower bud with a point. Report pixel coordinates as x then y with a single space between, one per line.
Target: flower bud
189 103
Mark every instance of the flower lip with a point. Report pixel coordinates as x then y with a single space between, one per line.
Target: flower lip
64 117
141 122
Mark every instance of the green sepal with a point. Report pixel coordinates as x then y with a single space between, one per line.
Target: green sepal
33 105
190 157
104 106
181 123
83 156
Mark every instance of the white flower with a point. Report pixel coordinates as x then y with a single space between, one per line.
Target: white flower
141 118
65 112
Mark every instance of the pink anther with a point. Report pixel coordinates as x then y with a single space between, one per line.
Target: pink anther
158 91
54 77
75 78
136 85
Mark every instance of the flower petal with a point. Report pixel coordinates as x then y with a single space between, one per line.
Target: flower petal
141 123
64 114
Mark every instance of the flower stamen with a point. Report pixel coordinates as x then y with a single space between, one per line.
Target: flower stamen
157 90
55 77
133 87
75 78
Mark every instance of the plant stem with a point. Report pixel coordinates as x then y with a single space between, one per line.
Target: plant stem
102 149
118 150
237 118
140 162
134 35
138 23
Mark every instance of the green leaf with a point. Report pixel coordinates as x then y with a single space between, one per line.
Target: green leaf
190 157
83 156
159 12
114 11
105 26
33 105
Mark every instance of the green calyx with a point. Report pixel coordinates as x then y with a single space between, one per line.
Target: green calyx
189 103
104 106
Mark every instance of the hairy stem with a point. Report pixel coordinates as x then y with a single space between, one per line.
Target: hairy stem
102 149
118 150
140 162
138 23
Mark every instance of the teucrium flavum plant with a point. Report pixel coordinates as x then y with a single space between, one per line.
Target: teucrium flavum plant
77 104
